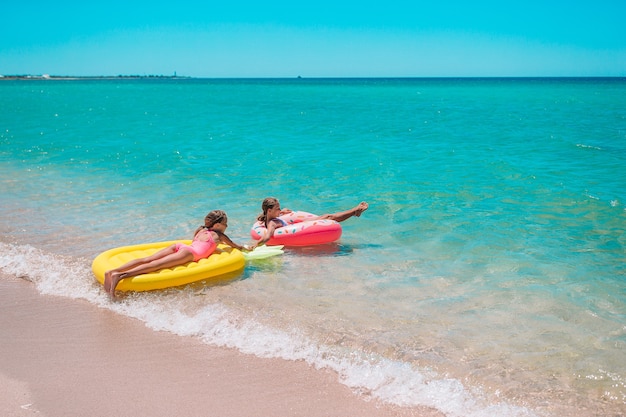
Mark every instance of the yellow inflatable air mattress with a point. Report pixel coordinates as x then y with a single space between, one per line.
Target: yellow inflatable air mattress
224 262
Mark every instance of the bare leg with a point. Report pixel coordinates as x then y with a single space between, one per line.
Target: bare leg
164 258
344 215
140 261
133 264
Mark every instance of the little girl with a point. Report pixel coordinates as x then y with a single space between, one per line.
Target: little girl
271 212
204 243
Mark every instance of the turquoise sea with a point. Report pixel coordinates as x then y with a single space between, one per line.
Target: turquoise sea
488 276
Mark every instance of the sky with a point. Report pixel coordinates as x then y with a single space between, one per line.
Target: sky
386 38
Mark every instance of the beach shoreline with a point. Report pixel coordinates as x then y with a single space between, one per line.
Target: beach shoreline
66 357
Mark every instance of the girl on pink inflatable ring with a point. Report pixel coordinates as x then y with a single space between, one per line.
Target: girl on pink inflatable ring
296 228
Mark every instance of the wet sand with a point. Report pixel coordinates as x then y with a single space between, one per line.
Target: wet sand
65 357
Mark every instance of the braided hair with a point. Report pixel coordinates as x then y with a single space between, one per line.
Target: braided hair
268 203
214 217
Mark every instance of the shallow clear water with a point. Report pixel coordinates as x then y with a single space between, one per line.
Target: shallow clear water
488 275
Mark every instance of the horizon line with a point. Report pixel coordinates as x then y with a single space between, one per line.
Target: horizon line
136 76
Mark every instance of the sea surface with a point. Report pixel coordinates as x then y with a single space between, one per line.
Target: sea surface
487 278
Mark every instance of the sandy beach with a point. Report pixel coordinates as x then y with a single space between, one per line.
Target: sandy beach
65 357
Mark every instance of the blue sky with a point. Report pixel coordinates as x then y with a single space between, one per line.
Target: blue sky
315 38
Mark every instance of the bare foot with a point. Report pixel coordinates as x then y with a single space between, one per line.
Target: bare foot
107 281
358 210
115 279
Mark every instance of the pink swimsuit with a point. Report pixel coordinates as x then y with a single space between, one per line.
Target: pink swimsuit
199 248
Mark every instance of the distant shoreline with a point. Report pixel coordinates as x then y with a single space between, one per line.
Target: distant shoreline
89 77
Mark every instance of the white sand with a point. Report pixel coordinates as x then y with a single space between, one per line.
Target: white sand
63 357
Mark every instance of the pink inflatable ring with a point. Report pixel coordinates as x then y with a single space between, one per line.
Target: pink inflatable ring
300 231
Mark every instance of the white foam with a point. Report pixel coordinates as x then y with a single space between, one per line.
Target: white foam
369 375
